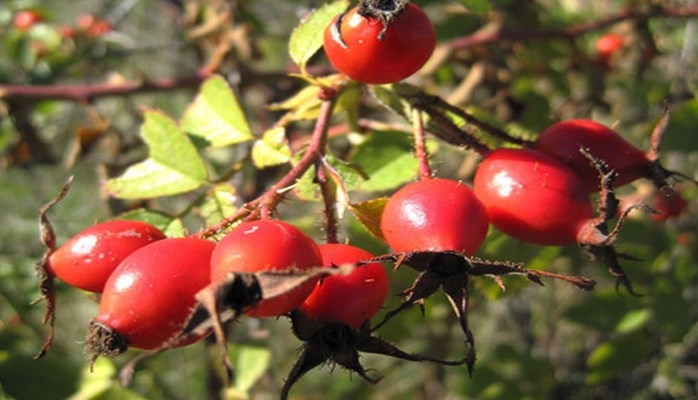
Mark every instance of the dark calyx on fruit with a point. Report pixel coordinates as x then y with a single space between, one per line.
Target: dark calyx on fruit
102 340
383 10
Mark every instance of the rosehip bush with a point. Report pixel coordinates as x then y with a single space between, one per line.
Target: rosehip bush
450 143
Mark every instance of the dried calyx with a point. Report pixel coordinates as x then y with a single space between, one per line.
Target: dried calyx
383 10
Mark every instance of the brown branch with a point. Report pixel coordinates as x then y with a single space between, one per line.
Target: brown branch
500 33
85 93
315 150
267 202
329 200
420 146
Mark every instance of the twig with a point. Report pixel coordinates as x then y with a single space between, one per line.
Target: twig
501 34
86 93
420 146
267 202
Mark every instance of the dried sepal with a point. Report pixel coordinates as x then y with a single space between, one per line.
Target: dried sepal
596 239
221 303
46 279
339 344
451 271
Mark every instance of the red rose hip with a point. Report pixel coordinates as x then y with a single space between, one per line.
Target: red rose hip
371 50
88 259
349 299
267 245
434 215
149 297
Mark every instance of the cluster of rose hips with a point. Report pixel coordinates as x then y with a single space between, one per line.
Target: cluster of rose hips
149 284
87 24
158 293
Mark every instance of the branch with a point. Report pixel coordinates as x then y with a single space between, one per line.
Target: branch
86 93
499 33
267 202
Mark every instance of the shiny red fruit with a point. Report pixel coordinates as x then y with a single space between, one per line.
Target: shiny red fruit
356 46
532 196
564 139
267 245
434 215
349 299
150 295
88 259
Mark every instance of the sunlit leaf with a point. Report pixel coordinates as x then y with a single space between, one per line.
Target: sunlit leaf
307 38
174 166
387 96
351 174
303 105
348 175
272 149
634 320
250 364
614 357
171 226
215 118
306 187
480 7
387 158
369 214
98 382
219 203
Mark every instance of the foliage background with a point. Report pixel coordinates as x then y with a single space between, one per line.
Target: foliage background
533 342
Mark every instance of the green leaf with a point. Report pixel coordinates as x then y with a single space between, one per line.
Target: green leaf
304 105
174 166
272 149
671 311
634 320
386 157
219 203
680 133
306 187
386 95
171 226
616 356
349 174
307 38
601 312
215 118
480 7
250 364
368 213
98 383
